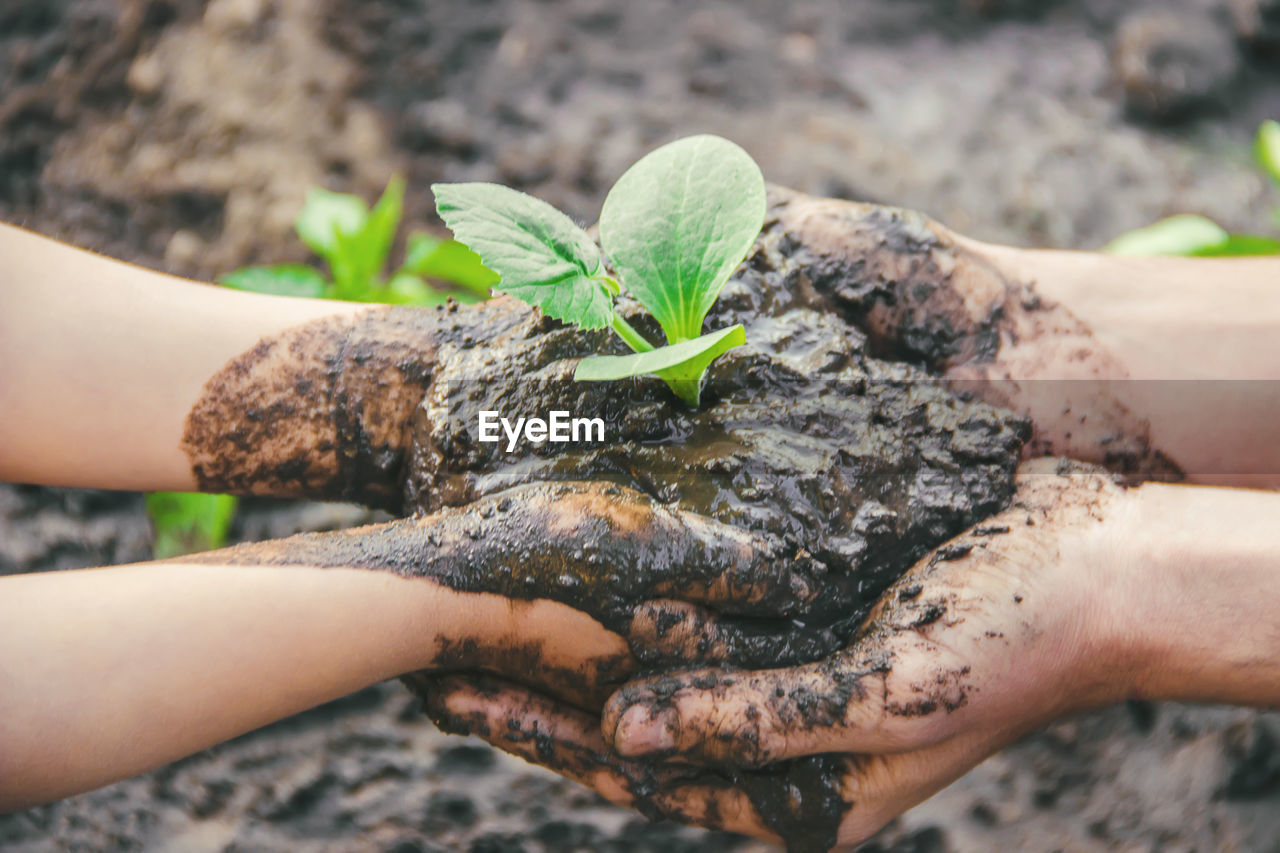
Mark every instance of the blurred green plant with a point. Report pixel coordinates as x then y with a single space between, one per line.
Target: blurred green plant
354 242
1190 235
186 522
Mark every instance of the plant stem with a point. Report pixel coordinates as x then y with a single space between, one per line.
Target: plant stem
688 390
628 334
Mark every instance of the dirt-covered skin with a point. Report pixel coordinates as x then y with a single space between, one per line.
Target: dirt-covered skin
320 410
968 639
679 587
915 622
929 297
854 465
830 443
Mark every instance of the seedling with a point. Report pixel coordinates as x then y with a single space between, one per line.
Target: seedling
355 243
1192 235
674 227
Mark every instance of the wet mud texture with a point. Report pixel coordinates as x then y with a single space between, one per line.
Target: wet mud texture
813 476
855 464
1003 119
847 468
319 411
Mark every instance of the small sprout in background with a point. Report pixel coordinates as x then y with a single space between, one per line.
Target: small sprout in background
1266 148
1189 235
675 227
186 522
354 243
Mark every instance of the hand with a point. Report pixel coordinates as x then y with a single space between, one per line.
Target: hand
967 311
584 584
325 409
990 636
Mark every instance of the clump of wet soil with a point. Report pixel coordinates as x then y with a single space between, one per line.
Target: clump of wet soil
861 464
1006 128
852 465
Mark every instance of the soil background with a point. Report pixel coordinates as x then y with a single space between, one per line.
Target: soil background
182 135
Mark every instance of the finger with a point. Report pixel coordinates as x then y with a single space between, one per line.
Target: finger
599 548
715 807
748 719
560 651
541 731
666 633
569 742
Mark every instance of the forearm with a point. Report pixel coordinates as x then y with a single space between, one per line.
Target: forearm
1195 607
110 672
1168 318
1197 346
106 673
101 362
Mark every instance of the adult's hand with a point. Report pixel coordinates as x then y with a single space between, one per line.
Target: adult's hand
1157 368
1080 595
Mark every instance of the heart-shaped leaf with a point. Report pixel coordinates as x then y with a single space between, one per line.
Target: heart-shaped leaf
541 257
678 223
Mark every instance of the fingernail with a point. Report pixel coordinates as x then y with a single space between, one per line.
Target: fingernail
644 729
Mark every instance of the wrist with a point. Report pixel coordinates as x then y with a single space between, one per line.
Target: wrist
1195 612
1095 601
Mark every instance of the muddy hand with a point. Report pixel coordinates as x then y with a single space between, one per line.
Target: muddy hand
926 295
320 410
650 585
982 641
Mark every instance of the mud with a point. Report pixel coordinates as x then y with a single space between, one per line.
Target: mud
861 464
848 466
319 411
812 477
1006 127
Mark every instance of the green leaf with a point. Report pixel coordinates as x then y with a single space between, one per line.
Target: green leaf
677 224
278 280
325 216
407 289
380 229
1185 234
448 260
186 522
682 366
1267 148
540 255
1240 245
358 258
